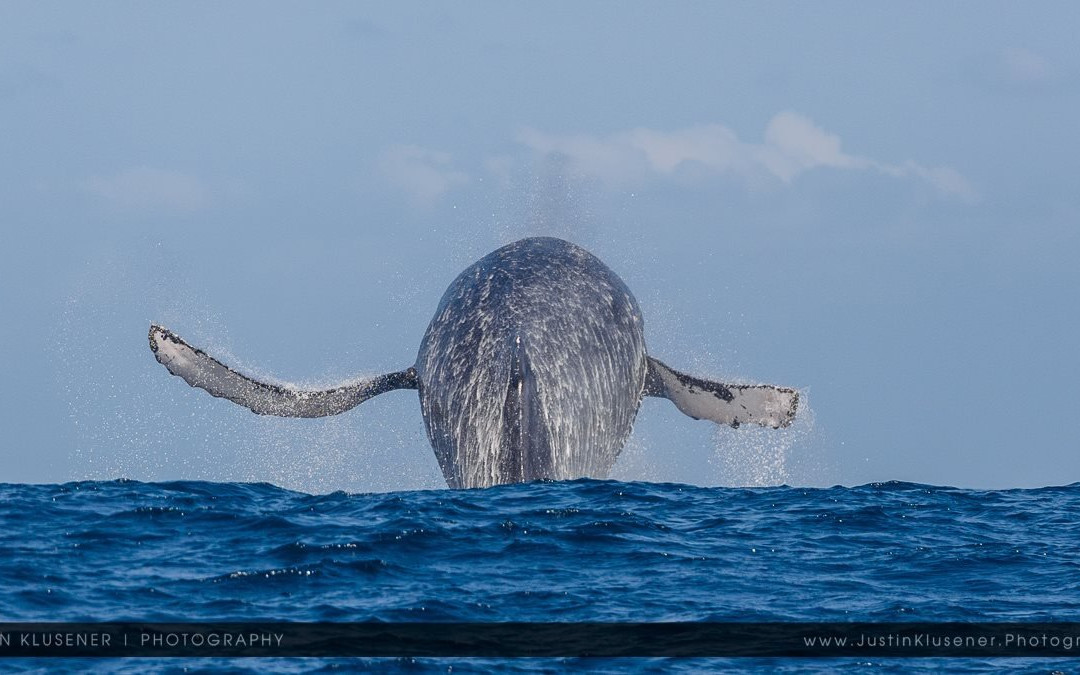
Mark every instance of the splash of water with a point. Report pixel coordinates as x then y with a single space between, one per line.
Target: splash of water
760 457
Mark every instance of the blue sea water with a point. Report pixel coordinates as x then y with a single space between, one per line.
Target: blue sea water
582 550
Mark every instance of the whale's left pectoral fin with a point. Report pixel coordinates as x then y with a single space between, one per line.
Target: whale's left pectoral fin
201 370
733 404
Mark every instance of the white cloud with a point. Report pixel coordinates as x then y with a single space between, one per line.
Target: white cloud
617 159
147 188
792 145
423 174
1023 67
947 180
501 167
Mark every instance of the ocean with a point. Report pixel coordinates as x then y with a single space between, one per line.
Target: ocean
577 551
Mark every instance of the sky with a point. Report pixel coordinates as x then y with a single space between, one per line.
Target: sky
873 202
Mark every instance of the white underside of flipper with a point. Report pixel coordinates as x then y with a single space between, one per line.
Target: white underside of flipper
732 404
201 370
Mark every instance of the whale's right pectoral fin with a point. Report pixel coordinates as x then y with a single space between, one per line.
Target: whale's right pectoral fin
199 369
732 404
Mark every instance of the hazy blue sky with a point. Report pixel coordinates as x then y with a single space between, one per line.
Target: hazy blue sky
876 202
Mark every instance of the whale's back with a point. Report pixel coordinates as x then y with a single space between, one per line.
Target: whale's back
532 368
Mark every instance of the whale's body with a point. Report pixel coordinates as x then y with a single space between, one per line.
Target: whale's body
533 367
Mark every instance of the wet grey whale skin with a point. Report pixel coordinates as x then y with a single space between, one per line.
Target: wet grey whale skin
532 368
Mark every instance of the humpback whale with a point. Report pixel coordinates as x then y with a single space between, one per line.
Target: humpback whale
533 367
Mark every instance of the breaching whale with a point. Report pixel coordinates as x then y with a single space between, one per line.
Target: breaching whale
533 367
